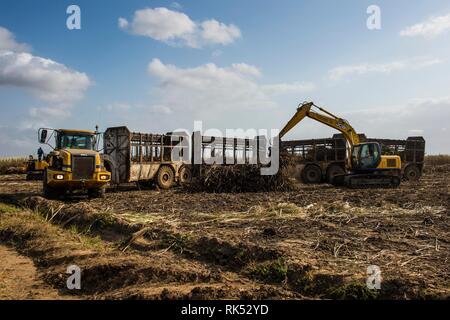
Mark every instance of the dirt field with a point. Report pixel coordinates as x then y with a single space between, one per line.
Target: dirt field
316 242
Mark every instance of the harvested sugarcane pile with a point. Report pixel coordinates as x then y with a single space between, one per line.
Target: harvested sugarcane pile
242 178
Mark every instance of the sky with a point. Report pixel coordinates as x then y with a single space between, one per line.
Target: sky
158 66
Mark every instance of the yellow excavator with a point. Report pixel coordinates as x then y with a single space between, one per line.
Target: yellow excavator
366 166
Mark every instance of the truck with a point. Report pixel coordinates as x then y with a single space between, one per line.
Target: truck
144 158
74 164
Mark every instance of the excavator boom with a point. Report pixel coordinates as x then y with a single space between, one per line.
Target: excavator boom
329 119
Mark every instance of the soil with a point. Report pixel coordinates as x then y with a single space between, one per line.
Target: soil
313 242
19 279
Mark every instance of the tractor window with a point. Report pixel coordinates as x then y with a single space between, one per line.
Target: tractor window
75 141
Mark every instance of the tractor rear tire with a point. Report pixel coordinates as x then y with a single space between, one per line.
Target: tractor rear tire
411 173
311 174
165 177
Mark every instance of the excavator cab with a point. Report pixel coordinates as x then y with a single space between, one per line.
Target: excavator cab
366 156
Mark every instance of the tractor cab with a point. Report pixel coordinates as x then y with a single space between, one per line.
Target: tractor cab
75 139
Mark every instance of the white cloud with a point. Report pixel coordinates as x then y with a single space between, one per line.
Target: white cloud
425 117
214 31
40 115
117 107
8 42
432 27
386 68
48 80
219 95
244 68
161 24
205 87
17 142
123 23
177 28
284 88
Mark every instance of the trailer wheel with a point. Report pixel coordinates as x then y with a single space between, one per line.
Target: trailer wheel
165 177
411 173
333 171
185 175
311 174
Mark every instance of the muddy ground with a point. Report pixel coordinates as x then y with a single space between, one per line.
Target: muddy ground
315 242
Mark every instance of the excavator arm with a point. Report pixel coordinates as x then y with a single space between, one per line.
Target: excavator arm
327 118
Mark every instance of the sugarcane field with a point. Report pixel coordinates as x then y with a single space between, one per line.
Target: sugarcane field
313 241
224 159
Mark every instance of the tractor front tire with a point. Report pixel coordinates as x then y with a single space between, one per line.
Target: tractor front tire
50 192
95 193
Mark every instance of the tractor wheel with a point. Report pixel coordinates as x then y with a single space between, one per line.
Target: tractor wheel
333 171
311 174
185 175
165 177
412 173
96 193
49 192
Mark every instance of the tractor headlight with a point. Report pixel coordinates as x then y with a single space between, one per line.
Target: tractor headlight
59 176
104 177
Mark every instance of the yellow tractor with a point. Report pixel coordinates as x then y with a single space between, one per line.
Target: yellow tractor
366 166
74 164
35 168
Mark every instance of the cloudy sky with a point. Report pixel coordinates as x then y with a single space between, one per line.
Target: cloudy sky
157 66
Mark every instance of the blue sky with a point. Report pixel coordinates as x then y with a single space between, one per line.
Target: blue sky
249 68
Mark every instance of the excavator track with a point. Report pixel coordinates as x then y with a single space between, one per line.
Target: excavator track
366 181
